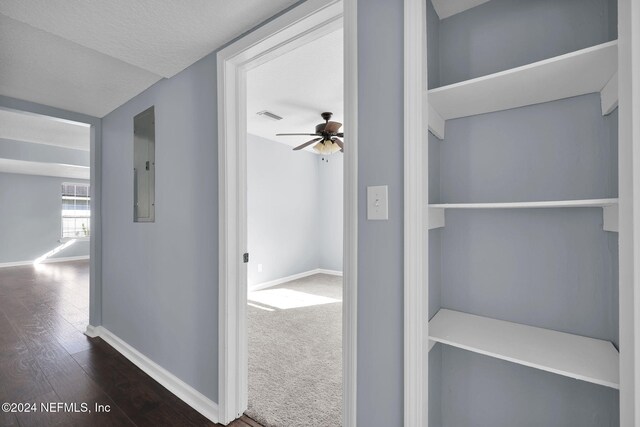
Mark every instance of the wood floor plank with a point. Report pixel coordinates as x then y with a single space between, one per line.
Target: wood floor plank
45 357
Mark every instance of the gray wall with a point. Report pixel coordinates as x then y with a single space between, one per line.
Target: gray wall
380 243
503 34
160 279
331 181
294 210
283 207
30 218
553 268
482 391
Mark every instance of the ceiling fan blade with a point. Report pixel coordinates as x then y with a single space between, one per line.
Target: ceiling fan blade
340 134
340 143
332 127
306 144
296 134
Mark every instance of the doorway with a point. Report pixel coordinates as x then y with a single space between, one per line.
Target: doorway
48 185
297 27
295 236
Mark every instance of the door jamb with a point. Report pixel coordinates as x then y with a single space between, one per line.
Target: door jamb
307 21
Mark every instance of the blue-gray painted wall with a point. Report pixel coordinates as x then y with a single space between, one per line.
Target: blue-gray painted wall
30 218
160 291
330 225
283 204
380 243
294 210
553 268
502 34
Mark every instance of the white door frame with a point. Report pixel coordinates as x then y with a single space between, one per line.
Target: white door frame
298 26
416 295
95 163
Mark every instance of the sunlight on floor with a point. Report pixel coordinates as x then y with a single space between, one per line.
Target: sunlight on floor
285 299
52 252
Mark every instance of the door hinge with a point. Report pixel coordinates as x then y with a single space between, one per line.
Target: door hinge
245 258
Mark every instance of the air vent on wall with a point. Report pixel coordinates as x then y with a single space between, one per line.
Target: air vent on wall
269 114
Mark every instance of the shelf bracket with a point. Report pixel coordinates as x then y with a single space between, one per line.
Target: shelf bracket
609 95
610 218
432 343
436 123
435 217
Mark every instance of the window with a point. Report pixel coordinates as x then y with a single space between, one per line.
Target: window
76 210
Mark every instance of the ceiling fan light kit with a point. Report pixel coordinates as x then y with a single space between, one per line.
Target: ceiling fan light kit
326 147
327 141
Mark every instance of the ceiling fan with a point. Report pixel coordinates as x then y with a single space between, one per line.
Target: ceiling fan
327 136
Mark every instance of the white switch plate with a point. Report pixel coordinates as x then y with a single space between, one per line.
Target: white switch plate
377 203
259 268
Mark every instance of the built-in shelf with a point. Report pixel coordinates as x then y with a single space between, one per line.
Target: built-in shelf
589 70
574 356
436 212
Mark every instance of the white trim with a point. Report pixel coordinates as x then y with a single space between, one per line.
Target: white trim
329 272
434 217
175 385
46 261
305 22
77 239
276 282
416 115
610 218
92 331
350 221
15 264
436 123
609 95
629 209
65 259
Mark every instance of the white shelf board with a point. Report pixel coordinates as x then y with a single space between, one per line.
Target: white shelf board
588 203
435 213
574 356
576 73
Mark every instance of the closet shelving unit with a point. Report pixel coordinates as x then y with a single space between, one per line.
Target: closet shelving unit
585 71
609 209
582 358
577 73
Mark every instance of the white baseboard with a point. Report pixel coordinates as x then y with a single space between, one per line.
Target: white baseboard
282 280
46 261
65 259
175 385
330 272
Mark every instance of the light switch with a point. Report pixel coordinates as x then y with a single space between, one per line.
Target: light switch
377 203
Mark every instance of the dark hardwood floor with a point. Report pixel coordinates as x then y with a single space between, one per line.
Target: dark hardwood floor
46 358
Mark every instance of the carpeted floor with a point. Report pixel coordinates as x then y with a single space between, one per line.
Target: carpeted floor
295 353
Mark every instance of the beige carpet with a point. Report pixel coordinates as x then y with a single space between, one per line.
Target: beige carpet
295 353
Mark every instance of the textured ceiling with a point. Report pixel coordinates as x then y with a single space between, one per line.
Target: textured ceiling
43 130
91 56
298 86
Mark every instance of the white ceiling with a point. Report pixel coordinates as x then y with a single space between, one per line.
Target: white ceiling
447 8
45 169
44 130
298 86
91 56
